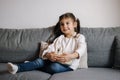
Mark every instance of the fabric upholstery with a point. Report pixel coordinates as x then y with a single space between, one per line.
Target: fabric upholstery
99 43
20 45
89 74
29 75
117 53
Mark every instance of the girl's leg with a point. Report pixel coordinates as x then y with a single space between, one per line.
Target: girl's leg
38 63
56 68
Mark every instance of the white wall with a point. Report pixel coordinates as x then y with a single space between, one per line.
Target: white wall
44 13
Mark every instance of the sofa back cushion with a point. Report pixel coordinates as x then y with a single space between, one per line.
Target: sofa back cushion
117 53
100 46
18 45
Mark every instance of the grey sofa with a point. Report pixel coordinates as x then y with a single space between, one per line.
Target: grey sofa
18 45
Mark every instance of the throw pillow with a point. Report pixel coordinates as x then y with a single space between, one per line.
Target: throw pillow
43 46
117 53
83 61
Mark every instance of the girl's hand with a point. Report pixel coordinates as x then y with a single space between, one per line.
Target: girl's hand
52 56
63 58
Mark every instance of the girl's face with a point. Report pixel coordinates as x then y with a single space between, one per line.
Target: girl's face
67 26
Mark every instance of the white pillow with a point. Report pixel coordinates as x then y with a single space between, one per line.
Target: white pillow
43 46
83 60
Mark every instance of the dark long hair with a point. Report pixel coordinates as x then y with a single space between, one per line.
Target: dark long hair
57 30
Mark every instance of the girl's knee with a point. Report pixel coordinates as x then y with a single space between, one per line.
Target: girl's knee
55 68
39 61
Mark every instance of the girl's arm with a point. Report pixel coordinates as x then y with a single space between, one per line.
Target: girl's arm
82 46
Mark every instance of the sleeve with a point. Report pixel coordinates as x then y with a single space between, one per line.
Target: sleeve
82 46
51 47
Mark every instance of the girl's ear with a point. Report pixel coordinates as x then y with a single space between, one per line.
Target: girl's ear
75 24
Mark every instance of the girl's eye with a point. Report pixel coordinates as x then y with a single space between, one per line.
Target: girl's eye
61 24
67 23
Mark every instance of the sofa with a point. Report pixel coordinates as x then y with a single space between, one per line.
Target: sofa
103 47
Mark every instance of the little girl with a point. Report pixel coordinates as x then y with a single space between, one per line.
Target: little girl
63 54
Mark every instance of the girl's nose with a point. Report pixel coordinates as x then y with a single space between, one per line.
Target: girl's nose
65 26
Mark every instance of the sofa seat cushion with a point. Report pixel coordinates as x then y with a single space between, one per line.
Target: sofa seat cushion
89 74
28 75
